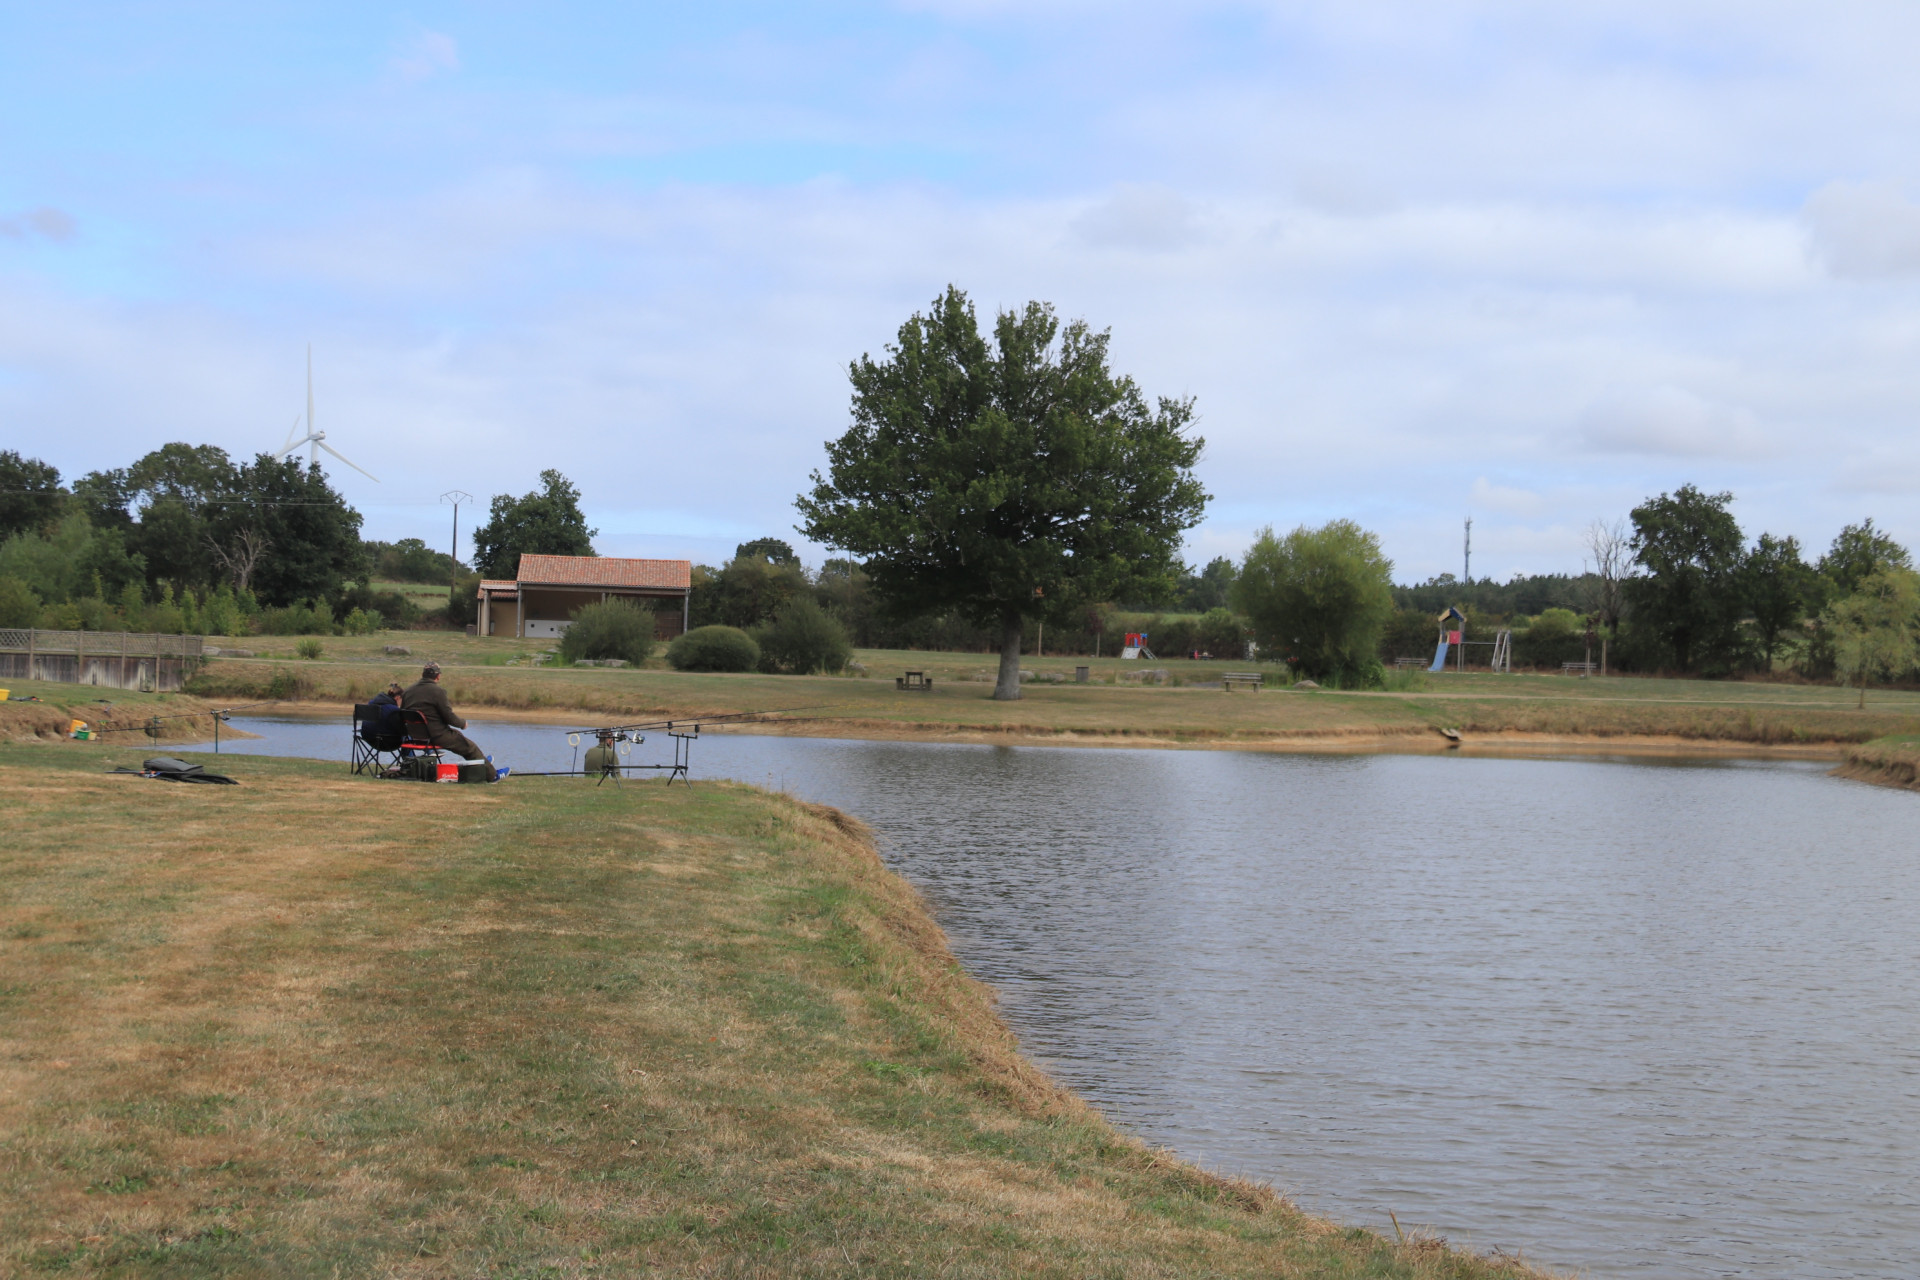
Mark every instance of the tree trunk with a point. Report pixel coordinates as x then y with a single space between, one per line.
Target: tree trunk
1008 689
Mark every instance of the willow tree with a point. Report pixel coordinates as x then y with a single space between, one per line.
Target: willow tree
1007 479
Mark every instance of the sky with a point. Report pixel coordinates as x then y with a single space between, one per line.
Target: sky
1414 262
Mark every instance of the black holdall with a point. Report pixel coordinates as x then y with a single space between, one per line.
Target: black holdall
169 769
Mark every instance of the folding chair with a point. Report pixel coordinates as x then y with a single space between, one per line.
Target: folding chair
376 738
416 740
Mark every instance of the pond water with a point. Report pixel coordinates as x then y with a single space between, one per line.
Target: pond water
1639 1018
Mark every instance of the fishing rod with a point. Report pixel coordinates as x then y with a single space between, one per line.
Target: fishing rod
668 726
152 726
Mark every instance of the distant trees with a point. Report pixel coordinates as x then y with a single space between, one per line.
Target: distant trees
1009 480
1319 599
30 494
1780 590
411 560
548 521
1690 547
1876 627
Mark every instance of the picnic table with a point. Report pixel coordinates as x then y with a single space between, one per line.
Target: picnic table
914 680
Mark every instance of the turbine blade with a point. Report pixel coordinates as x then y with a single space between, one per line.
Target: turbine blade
349 461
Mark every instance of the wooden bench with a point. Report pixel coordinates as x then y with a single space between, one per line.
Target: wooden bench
1413 662
914 680
1584 668
1245 679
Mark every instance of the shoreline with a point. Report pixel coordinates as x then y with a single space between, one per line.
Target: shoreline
605 1028
1512 743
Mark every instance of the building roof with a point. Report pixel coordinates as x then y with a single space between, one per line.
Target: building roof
498 584
607 573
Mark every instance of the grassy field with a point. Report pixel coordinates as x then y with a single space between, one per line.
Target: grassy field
317 1026
1121 704
1891 762
111 711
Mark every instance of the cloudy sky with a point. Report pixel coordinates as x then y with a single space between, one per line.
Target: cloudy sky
1415 261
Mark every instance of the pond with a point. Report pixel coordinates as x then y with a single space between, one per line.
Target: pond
1640 1018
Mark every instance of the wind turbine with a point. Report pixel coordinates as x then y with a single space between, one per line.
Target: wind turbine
316 440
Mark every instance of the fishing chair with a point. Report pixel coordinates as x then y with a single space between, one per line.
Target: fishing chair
416 739
377 738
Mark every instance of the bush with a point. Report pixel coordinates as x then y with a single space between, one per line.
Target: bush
309 649
19 606
288 686
1221 634
1319 599
307 619
804 638
611 629
360 623
714 649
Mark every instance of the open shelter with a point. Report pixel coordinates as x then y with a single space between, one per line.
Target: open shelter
545 591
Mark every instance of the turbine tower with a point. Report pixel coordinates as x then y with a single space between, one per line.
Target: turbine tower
315 439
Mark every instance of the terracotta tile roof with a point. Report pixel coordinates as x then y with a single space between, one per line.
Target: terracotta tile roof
606 572
498 584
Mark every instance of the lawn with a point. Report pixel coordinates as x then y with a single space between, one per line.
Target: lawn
320 1026
1122 702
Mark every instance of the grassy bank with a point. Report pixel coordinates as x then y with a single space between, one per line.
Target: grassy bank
1117 705
540 1029
1890 762
118 714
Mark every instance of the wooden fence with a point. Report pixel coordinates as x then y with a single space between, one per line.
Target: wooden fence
109 659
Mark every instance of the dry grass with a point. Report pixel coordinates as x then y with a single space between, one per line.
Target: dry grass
1615 709
1890 762
314 1025
112 711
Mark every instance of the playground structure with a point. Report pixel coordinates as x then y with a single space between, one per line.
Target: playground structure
1136 646
1452 630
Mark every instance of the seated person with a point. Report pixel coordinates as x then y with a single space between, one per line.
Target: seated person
387 703
443 726
603 759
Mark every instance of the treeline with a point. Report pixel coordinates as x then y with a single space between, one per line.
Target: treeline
187 540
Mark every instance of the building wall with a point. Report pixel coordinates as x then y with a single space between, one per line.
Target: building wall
548 609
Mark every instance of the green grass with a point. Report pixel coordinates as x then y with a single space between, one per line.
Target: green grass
1115 707
539 1029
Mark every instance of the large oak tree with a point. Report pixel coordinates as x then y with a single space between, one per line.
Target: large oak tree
1009 479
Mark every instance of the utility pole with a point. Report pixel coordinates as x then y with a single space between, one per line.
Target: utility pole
1466 569
455 497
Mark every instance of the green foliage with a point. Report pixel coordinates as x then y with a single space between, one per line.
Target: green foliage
30 495
1859 552
1318 600
713 648
19 606
750 590
1209 589
1011 480
610 629
1876 630
221 613
1221 634
360 622
49 562
1689 599
803 638
1779 588
547 521
307 619
311 537
770 550
410 560
1556 636
309 648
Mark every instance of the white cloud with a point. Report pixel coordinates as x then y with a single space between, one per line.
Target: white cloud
1487 496
427 54
1673 422
1151 218
46 223
1864 230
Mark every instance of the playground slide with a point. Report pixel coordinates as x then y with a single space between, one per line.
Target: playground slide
1439 657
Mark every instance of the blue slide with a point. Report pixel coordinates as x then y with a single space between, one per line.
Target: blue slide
1440 656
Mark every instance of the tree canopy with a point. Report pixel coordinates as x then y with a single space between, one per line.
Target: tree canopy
1690 596
30 494
1859 552
1006 479
1318 599
547 522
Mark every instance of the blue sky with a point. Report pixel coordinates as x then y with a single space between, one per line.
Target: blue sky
1527 262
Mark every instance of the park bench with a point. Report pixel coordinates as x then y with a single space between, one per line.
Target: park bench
1584 668
914 680
1244 679
1413 662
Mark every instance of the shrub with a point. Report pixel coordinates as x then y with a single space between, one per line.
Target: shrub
714 649
309 648
804 638
360 623
611 629
1220 633
19 606
1319 599
307 619
288 686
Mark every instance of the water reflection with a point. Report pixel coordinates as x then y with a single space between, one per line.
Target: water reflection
1641 1018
